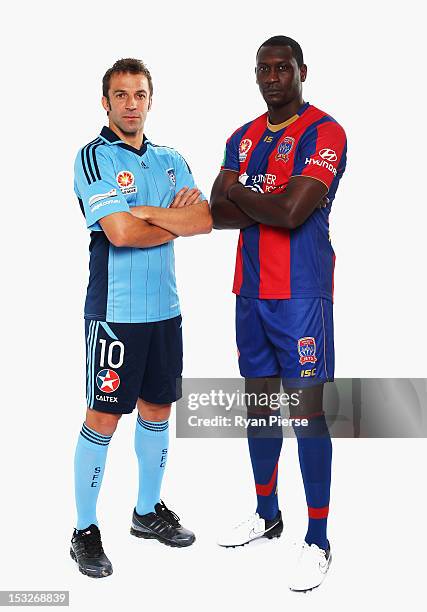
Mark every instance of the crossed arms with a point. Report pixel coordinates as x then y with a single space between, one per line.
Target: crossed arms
148 226
233 207
236 207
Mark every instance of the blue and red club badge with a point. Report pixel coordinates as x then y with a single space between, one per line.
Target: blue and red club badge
108 381
307 350
284 149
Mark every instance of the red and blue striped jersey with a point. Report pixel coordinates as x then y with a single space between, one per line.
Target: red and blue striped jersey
273 262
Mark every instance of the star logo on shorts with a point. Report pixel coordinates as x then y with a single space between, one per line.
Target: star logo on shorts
108 381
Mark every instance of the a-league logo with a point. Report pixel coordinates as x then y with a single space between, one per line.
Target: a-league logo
307 350
108 381
244 147
126 181
125 178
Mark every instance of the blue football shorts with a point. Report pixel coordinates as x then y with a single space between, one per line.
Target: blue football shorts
292 339
125 361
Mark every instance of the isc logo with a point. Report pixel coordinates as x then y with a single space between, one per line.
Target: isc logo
305 373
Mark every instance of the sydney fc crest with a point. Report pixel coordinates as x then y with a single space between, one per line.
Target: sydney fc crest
171 175
307 350
284 149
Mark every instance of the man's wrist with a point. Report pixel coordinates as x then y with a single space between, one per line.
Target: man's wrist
146 212
142 212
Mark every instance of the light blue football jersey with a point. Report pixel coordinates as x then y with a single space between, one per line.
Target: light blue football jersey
128 285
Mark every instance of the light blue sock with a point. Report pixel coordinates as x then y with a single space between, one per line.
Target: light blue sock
151 447
89 464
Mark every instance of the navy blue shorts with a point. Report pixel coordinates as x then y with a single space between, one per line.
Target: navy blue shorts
125 361
292 339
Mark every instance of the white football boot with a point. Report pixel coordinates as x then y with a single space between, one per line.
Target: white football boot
311 568
253 528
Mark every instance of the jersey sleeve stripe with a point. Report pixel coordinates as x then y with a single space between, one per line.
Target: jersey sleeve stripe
86 161
82 207
95 163
299 165
89 165
82 155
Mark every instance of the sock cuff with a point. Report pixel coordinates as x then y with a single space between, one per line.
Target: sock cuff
93 436
152 426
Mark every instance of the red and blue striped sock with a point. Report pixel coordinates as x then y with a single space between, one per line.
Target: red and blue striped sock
265 453
315 457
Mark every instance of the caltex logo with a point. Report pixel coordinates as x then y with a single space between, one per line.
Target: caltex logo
108 381
125 178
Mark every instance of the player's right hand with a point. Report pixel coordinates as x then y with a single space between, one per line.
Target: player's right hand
186 197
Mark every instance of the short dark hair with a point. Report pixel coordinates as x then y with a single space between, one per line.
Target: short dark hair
129 64
285 41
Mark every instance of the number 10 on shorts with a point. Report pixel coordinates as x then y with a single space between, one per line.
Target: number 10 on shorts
116 350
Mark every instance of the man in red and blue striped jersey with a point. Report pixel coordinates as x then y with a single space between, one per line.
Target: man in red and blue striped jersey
277 183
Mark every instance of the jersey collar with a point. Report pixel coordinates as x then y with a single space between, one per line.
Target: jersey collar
280 126
112 138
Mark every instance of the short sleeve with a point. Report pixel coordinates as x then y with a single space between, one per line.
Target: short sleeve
321 152
183 175
231 153
96 187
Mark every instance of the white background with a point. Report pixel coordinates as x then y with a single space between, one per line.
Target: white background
366 70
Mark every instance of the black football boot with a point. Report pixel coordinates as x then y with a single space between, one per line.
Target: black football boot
86 549
162 525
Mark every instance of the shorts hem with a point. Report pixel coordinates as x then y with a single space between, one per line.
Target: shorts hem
113 410
167 401
302 383
275 375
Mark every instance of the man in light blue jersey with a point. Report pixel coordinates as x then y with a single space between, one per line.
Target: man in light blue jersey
137 198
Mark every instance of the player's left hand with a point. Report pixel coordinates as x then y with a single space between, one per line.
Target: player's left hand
140 211
186 197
